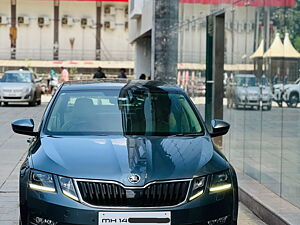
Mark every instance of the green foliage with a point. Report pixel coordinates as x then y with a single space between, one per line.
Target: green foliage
287 19
297 43
73 70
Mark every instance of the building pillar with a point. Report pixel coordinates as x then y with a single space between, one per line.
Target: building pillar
214 70
98 30
56 31
164 44
13 30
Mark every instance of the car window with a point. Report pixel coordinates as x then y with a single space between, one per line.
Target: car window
107 113
17 78
249 81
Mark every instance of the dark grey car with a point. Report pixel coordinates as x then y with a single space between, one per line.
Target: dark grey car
135 153
20 86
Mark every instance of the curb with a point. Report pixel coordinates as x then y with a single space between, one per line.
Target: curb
268 206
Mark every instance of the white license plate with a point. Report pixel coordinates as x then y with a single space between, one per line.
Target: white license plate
136 218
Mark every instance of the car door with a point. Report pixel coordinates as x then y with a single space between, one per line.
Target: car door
37 84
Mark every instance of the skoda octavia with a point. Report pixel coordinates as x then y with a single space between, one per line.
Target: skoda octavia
124 153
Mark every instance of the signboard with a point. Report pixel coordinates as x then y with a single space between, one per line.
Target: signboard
244 2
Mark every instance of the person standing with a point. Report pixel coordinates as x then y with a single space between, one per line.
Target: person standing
142 77
64 74
229 92
99 74
275 79
122 74
53 83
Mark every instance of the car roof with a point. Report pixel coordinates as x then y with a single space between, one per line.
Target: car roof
118 84
245 75
17 71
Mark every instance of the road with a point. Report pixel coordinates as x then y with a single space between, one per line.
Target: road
13 149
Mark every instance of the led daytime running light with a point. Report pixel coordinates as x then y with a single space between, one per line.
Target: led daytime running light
41 188
70 195
220 188
196 195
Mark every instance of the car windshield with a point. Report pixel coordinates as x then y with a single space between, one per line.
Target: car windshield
111 112
248 81
264 81
16 78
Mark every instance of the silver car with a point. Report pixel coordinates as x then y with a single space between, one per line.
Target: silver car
246 91
266 93
20 86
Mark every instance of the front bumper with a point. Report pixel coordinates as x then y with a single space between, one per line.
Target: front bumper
61 210
249 102
23 98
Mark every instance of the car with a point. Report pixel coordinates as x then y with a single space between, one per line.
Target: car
198 89
122 153
20 86
288 93
246 91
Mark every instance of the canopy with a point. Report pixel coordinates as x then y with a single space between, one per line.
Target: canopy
243 2
279 50
289 50
259 53
215 2
276 50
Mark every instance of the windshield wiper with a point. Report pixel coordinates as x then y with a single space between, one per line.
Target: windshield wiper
187 135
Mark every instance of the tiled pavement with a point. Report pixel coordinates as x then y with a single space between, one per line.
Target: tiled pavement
13 150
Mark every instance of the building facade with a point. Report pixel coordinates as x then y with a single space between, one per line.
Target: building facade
81 24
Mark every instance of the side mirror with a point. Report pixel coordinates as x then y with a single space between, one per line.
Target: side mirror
38 80
24 126
219 128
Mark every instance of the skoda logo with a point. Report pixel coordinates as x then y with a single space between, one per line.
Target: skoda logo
134 178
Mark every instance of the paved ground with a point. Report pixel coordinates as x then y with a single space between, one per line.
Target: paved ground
13 150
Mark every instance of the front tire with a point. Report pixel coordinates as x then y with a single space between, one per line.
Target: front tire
33 102
293 100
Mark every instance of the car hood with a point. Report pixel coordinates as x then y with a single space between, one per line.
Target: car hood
267 90
115 158
290 86
247 89
15 85
277 86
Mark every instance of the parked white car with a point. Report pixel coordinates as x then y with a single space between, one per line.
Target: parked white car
289 93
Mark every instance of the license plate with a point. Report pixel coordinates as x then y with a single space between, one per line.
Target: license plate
136 218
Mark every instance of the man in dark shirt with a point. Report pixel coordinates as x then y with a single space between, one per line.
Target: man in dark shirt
122 74
99 74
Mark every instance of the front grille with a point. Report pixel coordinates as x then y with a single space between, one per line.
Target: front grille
114 195
12 97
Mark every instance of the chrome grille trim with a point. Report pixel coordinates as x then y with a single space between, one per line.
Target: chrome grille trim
130 188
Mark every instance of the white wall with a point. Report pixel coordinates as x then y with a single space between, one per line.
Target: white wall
142 25
85 39
34 42
115 43
4 30
143 57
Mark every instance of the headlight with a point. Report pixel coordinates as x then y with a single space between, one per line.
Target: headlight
67 188
26 90
41 181
220 182
198 186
